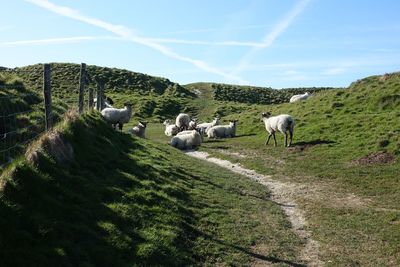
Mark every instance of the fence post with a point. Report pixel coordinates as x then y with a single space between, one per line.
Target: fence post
99 104
82 80
90 101
47 95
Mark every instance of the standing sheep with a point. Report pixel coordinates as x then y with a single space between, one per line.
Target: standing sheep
117 116
282 123
182 121
187 140
296 98
170 129
139 130
223 131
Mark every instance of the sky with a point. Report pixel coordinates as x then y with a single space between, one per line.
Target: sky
270 43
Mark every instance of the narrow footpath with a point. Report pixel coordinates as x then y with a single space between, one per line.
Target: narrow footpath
281 193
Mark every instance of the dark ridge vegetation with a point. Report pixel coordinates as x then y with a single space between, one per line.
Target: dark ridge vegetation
259 95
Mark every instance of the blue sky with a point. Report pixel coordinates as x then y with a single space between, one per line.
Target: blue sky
287 43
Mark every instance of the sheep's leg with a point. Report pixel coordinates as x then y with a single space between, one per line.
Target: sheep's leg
291 137
269 136
120 126
285 139
274 139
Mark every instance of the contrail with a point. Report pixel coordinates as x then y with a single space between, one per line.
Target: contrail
128 34
269 38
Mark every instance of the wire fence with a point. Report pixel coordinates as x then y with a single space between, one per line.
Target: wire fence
30 108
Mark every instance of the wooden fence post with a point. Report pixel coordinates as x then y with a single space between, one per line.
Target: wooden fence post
90 101
99 104
47 95
82 80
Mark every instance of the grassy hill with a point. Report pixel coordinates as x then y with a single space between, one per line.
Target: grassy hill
152 97
346 157
85 195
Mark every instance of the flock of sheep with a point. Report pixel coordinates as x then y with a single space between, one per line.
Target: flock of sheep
187 133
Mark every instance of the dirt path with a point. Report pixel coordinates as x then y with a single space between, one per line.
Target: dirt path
283 194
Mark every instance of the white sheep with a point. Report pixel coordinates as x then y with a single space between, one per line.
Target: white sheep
282 123
187 140
170 128
182 121
139 130
223 131
296 98
117 115
207 125
199 130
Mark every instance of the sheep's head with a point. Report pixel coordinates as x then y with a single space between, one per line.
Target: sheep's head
143 124
233 122
167 122
265 114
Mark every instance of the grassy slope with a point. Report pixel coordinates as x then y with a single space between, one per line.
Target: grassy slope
152 97
346 125
125 201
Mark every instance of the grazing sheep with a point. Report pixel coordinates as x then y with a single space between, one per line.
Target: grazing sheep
187 140
223 131
207 125
139 130
282 123
296 98
117 116
170 129
182 121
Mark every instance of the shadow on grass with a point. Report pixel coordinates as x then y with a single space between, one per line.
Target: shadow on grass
102 209
300 146
254 255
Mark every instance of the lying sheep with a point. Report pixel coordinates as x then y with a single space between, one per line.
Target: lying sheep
187 140
182 121
223 131
117 116
296 98
170 128
207 125
199 130
282 123
139 130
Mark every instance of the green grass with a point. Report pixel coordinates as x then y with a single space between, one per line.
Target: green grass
333 129
123 201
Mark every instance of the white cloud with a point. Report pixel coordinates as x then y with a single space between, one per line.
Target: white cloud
129 35
269 38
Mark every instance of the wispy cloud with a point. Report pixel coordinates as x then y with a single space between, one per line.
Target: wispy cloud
51 41
128 34
196 42
269 38
224 29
